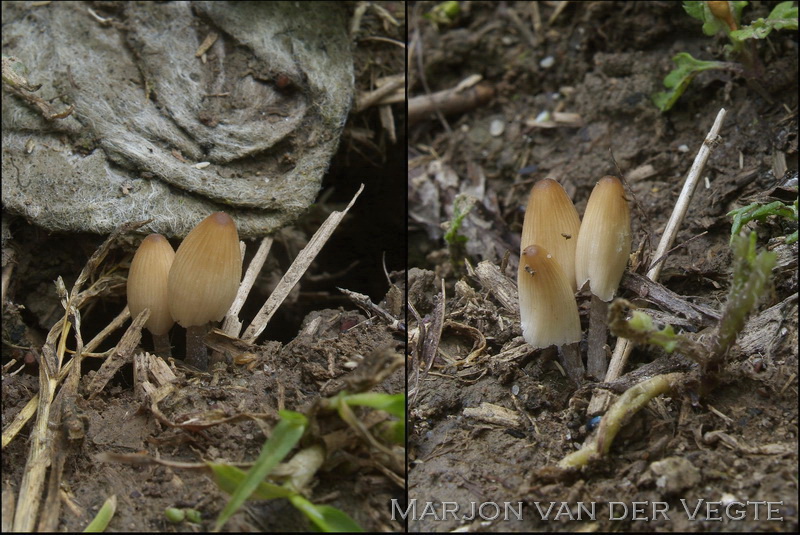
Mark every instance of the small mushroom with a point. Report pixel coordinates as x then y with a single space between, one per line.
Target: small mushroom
147 288
547 307
604 245
204 280
552 222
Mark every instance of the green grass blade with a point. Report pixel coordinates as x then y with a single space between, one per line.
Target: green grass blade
283 438
326 518
100 522
394 404
228 478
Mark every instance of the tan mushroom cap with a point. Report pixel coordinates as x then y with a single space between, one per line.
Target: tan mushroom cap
604 241
552 222
206 272
547 306
147 283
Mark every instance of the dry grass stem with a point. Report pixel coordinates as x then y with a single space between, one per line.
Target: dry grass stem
43 448
232 325
122 354
430 337
115 324
29 410
391 90
364 302
296 271
455 100
668 300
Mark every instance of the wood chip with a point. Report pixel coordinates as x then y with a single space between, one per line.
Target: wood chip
493 414
207 43
122 354
699 315
493 280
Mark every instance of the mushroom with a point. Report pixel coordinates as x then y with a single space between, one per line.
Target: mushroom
547 307
147 288
604 245
552 222
204 280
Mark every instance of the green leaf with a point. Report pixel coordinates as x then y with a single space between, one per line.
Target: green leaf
696 10
669 340
394 404
784 10
641 321
783 17
750 281
444 14
100 522
686 68
759 212
462 205
283 438
324 517
392 431
711 24
229 477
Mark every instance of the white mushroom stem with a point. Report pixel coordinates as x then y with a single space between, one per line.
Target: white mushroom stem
597 361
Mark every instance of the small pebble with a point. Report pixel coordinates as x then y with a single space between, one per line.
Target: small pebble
547 62
515 390
497 127
683 148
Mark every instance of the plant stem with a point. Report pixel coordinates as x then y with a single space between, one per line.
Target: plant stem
196 352
161 345
597 363
632 401
570 357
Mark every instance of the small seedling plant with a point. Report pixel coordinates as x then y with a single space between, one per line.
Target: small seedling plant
253 484
760 212
724 17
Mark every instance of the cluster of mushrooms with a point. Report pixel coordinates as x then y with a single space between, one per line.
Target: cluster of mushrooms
194 286
559 255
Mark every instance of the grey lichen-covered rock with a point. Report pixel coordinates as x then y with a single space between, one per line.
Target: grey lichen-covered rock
248 127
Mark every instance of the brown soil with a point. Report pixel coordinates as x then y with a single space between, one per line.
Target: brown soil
318 343
607 58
